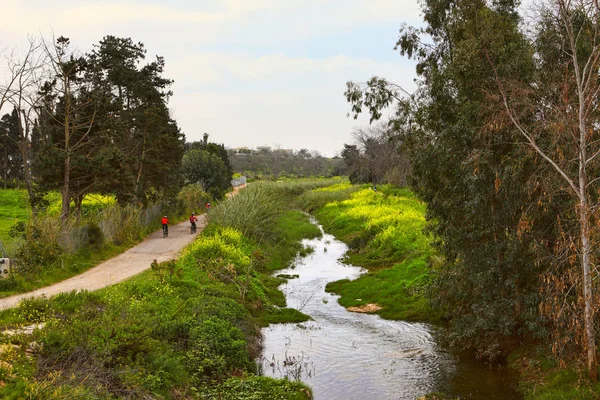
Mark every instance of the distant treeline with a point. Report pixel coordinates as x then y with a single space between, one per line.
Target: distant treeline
265 162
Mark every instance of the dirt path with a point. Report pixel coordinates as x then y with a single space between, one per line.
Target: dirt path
121 267
235 190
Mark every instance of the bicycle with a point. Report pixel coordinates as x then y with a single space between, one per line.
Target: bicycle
165 231
193 228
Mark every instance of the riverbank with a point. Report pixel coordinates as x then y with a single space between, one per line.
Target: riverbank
384 230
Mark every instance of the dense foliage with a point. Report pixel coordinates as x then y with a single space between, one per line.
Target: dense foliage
379 155
490 134
11 162
474 178
106 125
207 169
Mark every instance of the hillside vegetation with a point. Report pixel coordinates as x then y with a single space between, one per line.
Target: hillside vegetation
185 329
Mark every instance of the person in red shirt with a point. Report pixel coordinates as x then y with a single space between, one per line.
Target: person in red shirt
165 226
193 220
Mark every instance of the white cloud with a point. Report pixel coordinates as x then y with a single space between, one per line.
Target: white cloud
215 67
21 16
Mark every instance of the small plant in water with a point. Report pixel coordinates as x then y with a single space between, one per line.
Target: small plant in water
306 298
291 367
306 251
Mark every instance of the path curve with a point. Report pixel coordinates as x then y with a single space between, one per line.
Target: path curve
121 267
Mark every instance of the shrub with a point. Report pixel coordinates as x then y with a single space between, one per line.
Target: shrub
253 212
217 349
95 235
256 388
193 197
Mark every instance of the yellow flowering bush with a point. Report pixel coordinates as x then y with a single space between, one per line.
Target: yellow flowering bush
225 243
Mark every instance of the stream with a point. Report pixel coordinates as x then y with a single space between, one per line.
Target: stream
346 355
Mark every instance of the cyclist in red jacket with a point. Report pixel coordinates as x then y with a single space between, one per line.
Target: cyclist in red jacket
165 226
193 220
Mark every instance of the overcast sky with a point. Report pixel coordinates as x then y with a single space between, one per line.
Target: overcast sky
248 72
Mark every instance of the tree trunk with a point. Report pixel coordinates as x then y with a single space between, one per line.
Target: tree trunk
24 148
5 172
138 181
587 289
78 203
66 195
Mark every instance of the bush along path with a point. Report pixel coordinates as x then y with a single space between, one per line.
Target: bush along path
121 267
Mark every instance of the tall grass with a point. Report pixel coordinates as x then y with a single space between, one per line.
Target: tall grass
318 198
253 211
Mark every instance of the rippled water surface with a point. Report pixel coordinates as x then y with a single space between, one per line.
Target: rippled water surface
344 355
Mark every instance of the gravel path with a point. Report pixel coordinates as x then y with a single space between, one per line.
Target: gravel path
121 267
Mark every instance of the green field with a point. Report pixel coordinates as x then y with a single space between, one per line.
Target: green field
13 208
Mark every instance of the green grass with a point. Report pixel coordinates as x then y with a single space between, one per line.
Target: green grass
543 378
13 209
64 267
93 202
180 330
384 231
258 387
48 255
398 289
283 316
292 227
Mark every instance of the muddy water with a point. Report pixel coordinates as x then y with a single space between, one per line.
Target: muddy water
344 355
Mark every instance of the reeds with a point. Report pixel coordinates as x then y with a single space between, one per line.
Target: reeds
253 212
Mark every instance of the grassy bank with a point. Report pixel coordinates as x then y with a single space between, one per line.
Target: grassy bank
185 329
543 377
384 231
